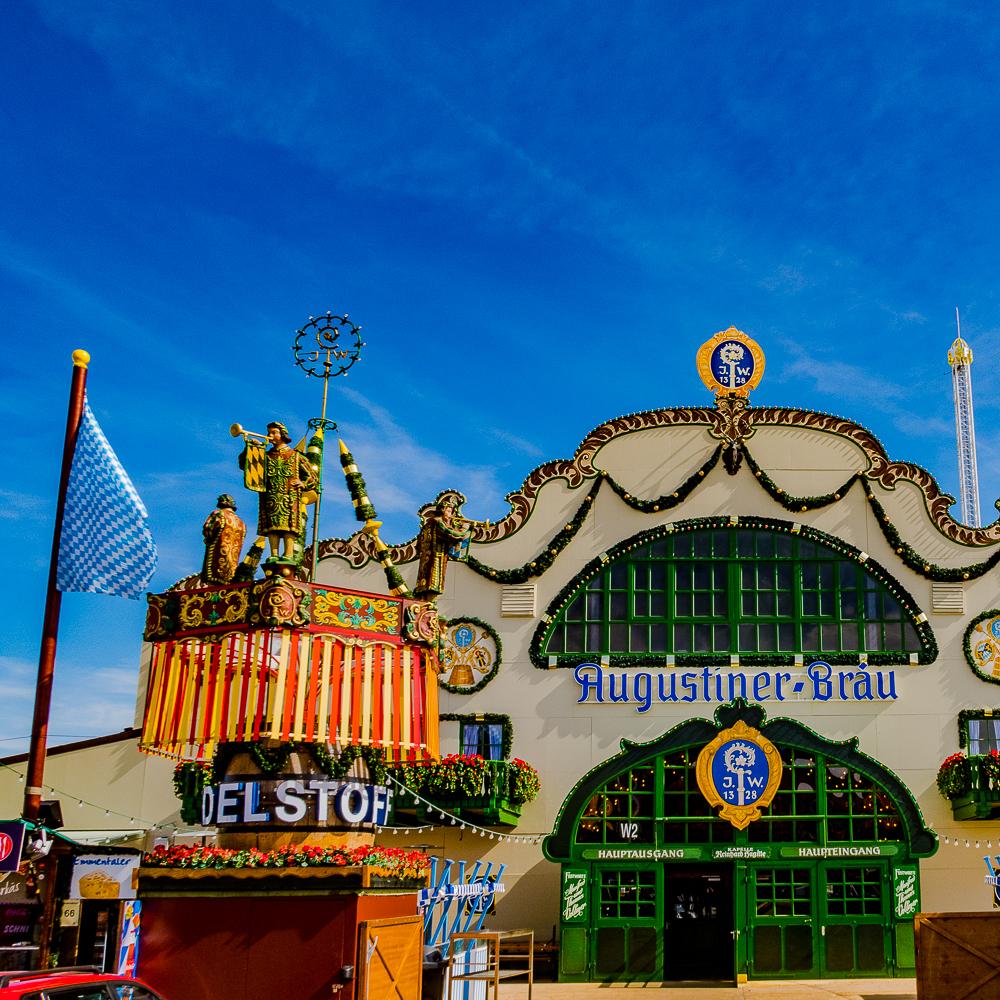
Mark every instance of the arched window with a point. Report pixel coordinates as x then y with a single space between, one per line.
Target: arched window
704 594
820 801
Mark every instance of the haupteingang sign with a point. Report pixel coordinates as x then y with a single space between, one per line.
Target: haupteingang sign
312 801
818 681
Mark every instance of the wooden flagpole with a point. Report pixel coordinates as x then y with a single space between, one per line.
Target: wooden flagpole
53 603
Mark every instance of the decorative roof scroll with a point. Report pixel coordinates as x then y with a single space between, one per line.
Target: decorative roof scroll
725 426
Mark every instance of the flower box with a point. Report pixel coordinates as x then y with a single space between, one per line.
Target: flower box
972 785
483 792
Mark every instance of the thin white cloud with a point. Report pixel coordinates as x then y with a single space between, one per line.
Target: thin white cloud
87 701
518 443
16 506
401 474
824 373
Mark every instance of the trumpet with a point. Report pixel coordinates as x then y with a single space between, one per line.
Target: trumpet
237 429
467 523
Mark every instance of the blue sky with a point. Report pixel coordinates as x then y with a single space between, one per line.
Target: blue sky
538 213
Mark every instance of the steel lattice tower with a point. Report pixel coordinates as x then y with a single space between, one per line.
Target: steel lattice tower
960 359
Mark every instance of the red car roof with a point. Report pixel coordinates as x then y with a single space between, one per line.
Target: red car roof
24 983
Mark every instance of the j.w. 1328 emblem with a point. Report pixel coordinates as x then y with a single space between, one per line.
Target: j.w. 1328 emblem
740 771
731 362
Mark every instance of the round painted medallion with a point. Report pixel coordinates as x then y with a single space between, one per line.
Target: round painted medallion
470 655
983 646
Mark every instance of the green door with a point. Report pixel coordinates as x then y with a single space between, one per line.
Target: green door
855 927
627 936
784 936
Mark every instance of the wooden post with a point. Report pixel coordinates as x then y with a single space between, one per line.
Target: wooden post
53 601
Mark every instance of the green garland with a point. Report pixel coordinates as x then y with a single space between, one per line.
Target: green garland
547 557
274 760
971 660
669 500
973 713
190 780
489 719
904 550
790 503
793 504
799 504
486 678
928 652
916 562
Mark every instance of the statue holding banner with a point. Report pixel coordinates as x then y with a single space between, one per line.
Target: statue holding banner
280 475
444 535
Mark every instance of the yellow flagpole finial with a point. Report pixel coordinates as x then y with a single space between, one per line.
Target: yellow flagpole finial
343 447
81 359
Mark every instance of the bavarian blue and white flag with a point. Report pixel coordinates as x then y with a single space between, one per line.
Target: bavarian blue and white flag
105 547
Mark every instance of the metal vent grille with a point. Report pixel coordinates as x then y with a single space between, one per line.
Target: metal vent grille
518 602
948 598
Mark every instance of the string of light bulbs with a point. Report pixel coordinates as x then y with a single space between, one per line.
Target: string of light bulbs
970 842
171 828
140 824
462 824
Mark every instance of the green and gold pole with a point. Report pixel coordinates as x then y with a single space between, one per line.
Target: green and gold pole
364 511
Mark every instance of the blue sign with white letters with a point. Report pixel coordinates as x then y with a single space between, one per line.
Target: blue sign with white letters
740 772
732 364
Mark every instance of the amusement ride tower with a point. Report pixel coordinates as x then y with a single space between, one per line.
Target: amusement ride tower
960 359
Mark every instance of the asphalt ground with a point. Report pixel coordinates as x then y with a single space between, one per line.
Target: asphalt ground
818 989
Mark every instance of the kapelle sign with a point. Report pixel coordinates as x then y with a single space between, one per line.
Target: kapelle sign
294 800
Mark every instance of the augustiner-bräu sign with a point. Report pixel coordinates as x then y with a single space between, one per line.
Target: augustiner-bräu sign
314 802
816 682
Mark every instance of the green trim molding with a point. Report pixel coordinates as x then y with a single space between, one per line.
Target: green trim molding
558 846
928 652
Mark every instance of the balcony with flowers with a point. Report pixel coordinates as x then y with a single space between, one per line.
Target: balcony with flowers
971 784
481 791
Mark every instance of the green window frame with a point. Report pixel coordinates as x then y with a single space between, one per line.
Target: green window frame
489 734
979 731
767 594
627 893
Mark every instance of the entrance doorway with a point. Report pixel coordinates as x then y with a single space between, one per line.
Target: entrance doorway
698 923
98 941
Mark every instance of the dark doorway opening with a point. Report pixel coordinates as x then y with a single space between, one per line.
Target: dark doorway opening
698 924
98 941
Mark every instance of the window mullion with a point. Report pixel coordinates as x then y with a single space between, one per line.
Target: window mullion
735 597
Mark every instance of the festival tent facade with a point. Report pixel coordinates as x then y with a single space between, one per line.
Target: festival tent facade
761 581
749 656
